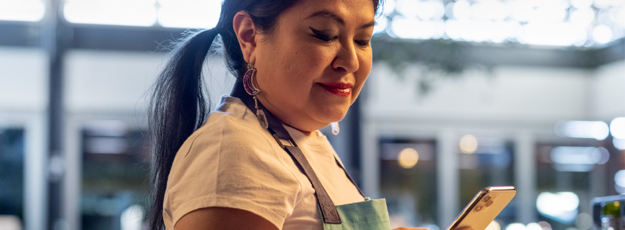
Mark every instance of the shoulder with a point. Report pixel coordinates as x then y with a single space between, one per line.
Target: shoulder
231 128
232 162
230 138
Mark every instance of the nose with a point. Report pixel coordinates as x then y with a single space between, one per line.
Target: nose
346 59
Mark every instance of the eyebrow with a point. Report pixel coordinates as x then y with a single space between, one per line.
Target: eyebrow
330 14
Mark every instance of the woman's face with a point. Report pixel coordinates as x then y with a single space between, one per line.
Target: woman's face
313 64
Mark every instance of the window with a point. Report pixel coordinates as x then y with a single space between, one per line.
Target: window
22 10
486 162
408 181
11 177
111 12
114 176
569 176
166 13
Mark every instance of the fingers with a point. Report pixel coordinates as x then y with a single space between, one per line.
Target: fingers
407 228
464 228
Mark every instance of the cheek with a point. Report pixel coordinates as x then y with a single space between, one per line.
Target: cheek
286 80
304 66
313 59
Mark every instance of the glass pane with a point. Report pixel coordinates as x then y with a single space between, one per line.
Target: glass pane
569 176
408 179
114 177
189 13
486 162
22 10
111 12
11 178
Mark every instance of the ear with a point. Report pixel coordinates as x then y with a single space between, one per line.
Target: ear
246 34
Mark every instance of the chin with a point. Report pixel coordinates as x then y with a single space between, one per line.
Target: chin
333 116
324 115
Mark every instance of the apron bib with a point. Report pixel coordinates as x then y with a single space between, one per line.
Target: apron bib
366 215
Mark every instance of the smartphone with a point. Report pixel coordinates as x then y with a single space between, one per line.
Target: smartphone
484 207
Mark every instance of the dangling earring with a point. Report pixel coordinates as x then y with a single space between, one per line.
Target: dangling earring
335 128
249 82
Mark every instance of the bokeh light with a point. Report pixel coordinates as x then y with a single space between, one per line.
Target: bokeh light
619 178
408 158
515 226
561 206
545 225
617 127
583 221
132 218
468 144
494 225
619 143
583 129
581 4
533 226
542 23
602 34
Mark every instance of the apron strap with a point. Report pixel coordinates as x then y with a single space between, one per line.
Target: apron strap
328 209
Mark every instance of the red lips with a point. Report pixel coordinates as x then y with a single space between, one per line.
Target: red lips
338 88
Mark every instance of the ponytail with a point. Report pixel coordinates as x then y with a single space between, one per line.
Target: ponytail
178 107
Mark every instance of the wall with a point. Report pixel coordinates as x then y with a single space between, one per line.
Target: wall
505 96
119 81
23 79
608 99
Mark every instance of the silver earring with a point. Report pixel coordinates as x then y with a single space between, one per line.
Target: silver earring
335 128
249 82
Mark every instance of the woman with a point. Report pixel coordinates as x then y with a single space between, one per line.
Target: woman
258 161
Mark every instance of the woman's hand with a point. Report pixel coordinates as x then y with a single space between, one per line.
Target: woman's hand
406 228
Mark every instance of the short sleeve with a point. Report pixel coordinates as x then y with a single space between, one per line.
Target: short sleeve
229 164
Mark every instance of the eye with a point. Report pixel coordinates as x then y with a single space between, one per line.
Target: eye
321 35
363 43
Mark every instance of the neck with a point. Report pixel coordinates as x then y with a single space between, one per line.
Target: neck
307 133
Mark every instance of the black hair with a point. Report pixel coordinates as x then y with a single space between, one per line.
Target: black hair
179 104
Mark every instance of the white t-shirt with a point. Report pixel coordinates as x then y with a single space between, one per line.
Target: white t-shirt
231 161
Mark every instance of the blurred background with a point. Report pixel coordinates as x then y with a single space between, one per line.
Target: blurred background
462 95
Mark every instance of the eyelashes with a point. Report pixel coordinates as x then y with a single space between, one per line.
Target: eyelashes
324 36
363 43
